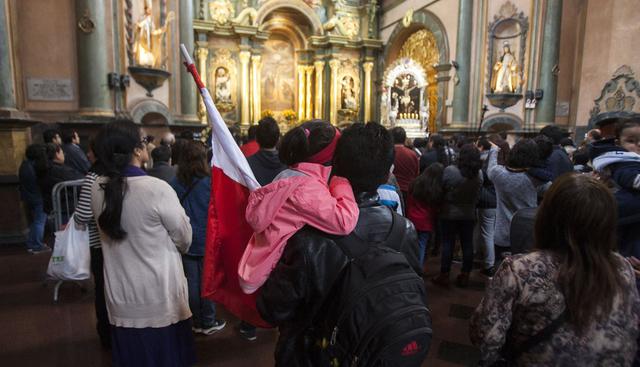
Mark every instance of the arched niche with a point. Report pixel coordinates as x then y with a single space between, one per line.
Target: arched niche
297 5
151 112
502 122
423 20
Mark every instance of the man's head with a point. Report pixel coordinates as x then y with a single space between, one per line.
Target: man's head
555 133
52 136
70 137
168 139
267 133
364 156
161 153
399 135
251 133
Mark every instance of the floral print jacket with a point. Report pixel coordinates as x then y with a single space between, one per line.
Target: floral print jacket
523 298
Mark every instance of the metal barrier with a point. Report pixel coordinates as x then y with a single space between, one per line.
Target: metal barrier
64 198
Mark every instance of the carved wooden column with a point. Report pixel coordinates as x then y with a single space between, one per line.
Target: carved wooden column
256 61
335 90
245 111
367 67
301 92
319 66
201 54
309 93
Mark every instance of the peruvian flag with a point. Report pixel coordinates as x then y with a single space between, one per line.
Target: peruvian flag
227 231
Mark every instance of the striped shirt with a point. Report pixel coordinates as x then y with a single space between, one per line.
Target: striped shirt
84 214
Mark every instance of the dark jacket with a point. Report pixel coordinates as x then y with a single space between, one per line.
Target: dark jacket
55 174
558 162
196 205
265 166
29 188
461 195
163 171
298 287
75 158
487 198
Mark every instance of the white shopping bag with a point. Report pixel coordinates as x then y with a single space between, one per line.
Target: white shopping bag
71 259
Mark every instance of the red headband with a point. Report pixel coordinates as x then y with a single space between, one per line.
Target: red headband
326 154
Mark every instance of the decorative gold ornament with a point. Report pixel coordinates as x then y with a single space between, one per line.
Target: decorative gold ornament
508 10
85 23
221 11
408 18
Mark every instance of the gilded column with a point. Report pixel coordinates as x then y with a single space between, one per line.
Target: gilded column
301 90
245 116
546 113
335 90
187 86
201 54
309 92
255 87
7 90
367 67
463 57
319 66
92 48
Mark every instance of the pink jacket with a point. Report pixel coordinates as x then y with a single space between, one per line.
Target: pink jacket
277 211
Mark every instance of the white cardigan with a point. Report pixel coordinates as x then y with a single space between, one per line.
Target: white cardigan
144 281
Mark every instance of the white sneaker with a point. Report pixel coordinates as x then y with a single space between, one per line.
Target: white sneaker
196 330
217 326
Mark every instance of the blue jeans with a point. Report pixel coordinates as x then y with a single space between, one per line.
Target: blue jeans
203 310
36 229
463 229
423 243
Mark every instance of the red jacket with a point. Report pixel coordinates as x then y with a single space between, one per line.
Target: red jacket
422 216
406 167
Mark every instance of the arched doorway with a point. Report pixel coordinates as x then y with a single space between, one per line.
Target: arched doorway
425 42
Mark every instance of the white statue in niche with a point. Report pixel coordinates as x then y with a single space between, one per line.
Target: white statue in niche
223 91
147 49
348 94
505 73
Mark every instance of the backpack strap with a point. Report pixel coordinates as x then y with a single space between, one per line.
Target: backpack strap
191 187
353 246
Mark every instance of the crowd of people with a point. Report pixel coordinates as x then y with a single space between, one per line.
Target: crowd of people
358 211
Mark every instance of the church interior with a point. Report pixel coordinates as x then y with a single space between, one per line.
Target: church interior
429 66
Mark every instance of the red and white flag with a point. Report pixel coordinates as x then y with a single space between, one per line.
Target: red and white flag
227 231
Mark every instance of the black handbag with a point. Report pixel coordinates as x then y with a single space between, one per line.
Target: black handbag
510 353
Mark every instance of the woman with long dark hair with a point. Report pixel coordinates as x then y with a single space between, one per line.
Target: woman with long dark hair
573 295
143 229
423 203
461 184
193 186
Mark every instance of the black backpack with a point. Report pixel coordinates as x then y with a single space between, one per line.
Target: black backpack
376 313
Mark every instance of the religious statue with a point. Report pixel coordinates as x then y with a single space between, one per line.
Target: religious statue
407 95
223 91
147 49
348 94
505 77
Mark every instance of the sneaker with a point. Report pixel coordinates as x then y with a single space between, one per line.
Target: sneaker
248 334
196 330
488 272
217 326
40 250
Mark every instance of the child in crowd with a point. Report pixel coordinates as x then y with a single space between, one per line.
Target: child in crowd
618 162
425 196
298 196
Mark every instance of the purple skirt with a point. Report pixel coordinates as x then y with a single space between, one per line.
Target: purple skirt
170 346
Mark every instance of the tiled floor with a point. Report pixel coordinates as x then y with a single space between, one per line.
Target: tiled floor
36 332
